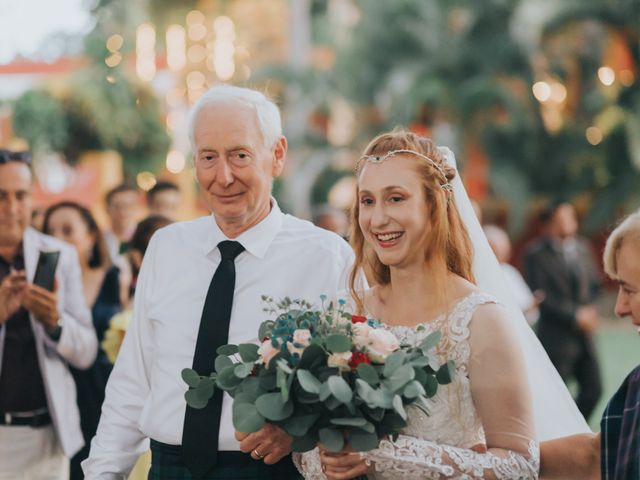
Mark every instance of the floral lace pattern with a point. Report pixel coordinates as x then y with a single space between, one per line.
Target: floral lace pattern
438 445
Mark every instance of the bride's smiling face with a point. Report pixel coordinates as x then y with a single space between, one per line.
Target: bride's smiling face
393 211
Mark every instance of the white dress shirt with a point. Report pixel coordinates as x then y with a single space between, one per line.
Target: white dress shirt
284 256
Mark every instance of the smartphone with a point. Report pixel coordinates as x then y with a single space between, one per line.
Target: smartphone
46 269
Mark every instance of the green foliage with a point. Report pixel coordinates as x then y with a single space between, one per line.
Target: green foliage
295 387
40 119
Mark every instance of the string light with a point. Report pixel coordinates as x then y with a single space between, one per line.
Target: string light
176 46
145 52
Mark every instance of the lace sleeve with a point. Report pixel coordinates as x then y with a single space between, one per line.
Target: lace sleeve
501 397
413 458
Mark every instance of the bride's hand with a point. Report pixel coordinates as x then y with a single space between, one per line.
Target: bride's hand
343 465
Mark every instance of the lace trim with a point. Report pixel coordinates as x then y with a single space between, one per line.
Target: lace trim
411 458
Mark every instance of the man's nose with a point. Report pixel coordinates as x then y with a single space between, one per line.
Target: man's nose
224 175
622 304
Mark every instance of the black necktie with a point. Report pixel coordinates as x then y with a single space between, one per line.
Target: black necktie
201 426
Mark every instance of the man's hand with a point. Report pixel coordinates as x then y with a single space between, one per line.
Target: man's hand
574 457
269 444
12 290
43 304
587 319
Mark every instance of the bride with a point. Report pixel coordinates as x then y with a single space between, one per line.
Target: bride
409 236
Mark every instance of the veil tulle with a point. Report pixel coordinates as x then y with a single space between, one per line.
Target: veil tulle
556 414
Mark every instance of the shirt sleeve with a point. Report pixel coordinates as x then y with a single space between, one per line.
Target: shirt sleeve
78 343
119 442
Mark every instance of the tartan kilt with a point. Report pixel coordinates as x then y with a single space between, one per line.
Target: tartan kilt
167 464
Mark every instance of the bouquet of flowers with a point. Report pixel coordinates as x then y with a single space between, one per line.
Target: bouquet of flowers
323 376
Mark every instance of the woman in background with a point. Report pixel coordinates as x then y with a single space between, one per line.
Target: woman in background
73 223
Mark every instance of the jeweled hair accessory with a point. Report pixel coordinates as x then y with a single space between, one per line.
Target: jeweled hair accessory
446 185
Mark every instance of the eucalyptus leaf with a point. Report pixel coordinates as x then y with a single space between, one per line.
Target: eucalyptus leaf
324 391
445 373
194 400
267 380
350 421
338 343
421 361
246 417
273 407
365 392
430 342
299 425
243 370
398 407
265 329
227 379
393 362
205 388
332 403
340 389
313 354
227 350
308 381
248 352
431 386
361 441
414 389
221 362
304 444
190 377
369 374
331 439
401 377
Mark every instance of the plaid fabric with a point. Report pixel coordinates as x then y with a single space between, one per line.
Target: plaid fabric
620 426
167 464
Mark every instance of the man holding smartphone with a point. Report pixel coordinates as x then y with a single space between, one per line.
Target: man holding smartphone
41 332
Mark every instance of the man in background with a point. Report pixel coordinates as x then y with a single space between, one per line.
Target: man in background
122 208
561 265
164 199
41 333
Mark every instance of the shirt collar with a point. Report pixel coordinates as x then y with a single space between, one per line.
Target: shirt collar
255 240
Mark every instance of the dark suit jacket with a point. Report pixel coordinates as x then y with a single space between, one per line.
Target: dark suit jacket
566 288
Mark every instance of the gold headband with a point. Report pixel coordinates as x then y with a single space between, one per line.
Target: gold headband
381 158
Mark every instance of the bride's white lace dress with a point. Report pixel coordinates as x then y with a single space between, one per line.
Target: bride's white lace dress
439 445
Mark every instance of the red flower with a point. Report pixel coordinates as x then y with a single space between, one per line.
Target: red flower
358 319
357 358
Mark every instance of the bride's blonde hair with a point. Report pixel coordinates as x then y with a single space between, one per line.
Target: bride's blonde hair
448 247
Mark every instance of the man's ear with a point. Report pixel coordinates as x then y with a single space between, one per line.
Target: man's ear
279 156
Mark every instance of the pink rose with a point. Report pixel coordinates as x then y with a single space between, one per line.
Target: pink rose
267 352
381 344
361 334
340 360
302 336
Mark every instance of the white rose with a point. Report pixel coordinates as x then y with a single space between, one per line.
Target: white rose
361 334
267 352
339 360
381 344
302 336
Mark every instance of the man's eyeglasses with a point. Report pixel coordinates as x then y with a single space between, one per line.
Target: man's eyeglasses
7 156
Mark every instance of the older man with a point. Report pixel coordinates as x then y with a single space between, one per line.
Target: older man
621 419
41 332
183 310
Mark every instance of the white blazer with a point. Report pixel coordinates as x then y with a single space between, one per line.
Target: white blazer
78 342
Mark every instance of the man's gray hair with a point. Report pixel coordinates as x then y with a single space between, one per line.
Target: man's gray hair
266 110
628 230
